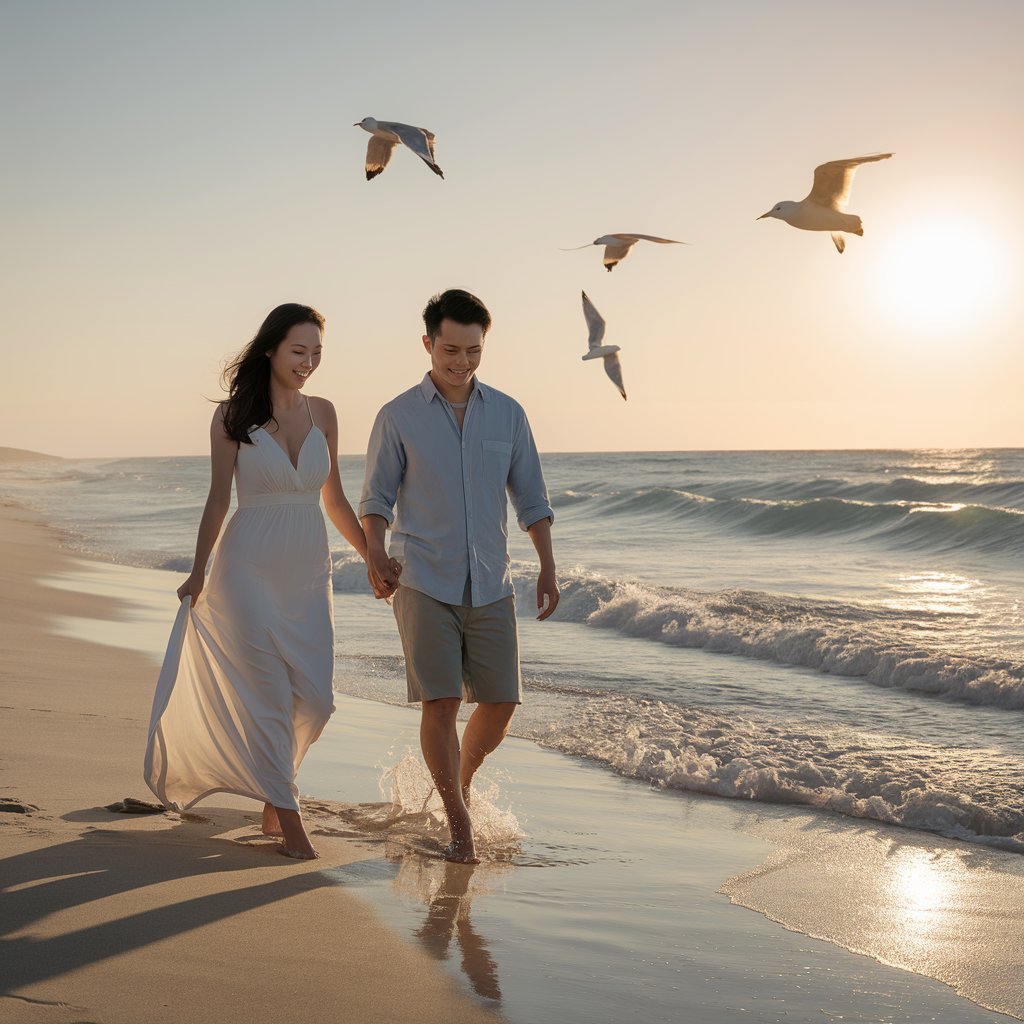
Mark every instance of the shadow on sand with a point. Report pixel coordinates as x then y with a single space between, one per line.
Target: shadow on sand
116 864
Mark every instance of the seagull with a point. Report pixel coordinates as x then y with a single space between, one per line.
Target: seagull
388 134
609 353
822 208
617 246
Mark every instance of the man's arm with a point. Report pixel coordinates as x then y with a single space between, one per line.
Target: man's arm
529 496
382 571
547 585
385 466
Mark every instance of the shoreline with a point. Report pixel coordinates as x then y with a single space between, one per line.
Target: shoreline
716 857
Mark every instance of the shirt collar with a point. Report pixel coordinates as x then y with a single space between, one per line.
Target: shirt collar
428 389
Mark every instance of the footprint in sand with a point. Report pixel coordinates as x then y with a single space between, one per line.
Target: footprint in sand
16 806
130 805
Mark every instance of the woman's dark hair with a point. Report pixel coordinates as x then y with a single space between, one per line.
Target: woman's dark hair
457 305
247 377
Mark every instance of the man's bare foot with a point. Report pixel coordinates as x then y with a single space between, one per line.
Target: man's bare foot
271 823
457 855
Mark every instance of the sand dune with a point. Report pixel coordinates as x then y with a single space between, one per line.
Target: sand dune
24 455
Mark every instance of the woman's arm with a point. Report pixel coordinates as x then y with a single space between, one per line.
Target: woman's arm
223 452
336 504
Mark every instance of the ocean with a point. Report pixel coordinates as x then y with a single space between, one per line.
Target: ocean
841 630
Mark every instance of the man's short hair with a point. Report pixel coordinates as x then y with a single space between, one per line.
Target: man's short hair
458 305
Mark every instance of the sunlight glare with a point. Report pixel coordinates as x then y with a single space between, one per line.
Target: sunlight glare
941 277
922 891
935 592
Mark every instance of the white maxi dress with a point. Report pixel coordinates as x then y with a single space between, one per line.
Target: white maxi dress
246 684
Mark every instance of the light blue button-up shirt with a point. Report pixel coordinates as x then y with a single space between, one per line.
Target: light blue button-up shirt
451 522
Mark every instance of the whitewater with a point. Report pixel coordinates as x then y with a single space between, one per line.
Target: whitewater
842 630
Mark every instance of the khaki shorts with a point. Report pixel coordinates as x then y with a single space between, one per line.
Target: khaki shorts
457 650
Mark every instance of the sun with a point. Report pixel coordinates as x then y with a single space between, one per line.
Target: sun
941 276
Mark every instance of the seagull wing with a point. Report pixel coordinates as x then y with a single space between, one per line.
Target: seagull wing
420 141
614 253
595 323
378 153
613 368
832 181
651 238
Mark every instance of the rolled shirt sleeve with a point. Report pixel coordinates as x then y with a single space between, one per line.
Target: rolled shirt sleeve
385 464
526 487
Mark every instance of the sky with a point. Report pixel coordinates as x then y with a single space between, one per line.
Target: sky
174 171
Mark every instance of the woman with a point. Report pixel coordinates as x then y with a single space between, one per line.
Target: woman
246 685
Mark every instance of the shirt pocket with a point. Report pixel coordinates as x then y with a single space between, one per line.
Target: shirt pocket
504 447
497 458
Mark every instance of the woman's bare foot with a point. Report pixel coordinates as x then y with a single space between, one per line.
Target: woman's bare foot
271 823
296 843
309 854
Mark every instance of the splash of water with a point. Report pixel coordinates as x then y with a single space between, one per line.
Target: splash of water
414 802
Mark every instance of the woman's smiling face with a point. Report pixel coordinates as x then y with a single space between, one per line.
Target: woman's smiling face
292 362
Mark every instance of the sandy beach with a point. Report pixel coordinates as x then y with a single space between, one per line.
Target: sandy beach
599 898
111 917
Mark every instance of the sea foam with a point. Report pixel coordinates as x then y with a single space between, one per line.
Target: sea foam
966 794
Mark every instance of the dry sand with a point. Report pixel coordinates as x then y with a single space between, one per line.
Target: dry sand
110 917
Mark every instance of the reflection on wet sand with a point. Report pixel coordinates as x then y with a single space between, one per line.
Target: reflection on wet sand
448 891
411 827
928 905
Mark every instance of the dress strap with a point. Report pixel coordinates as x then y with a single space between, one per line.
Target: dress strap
312 422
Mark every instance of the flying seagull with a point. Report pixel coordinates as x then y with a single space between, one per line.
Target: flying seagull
617 246
386 135
823 207
609 353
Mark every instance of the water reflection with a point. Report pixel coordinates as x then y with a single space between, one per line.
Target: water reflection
929 905
940 593
448 891
410 826
922 886
420 878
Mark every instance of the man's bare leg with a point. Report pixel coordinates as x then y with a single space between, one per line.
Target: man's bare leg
486 728
439 742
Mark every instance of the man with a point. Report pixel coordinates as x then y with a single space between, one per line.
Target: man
446 451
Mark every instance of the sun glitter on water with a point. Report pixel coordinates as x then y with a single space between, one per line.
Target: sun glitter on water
941 276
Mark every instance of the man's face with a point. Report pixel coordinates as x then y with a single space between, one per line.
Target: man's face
455 352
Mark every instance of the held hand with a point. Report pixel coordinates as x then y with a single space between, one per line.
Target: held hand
547 593
193 587
383 573
379 588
